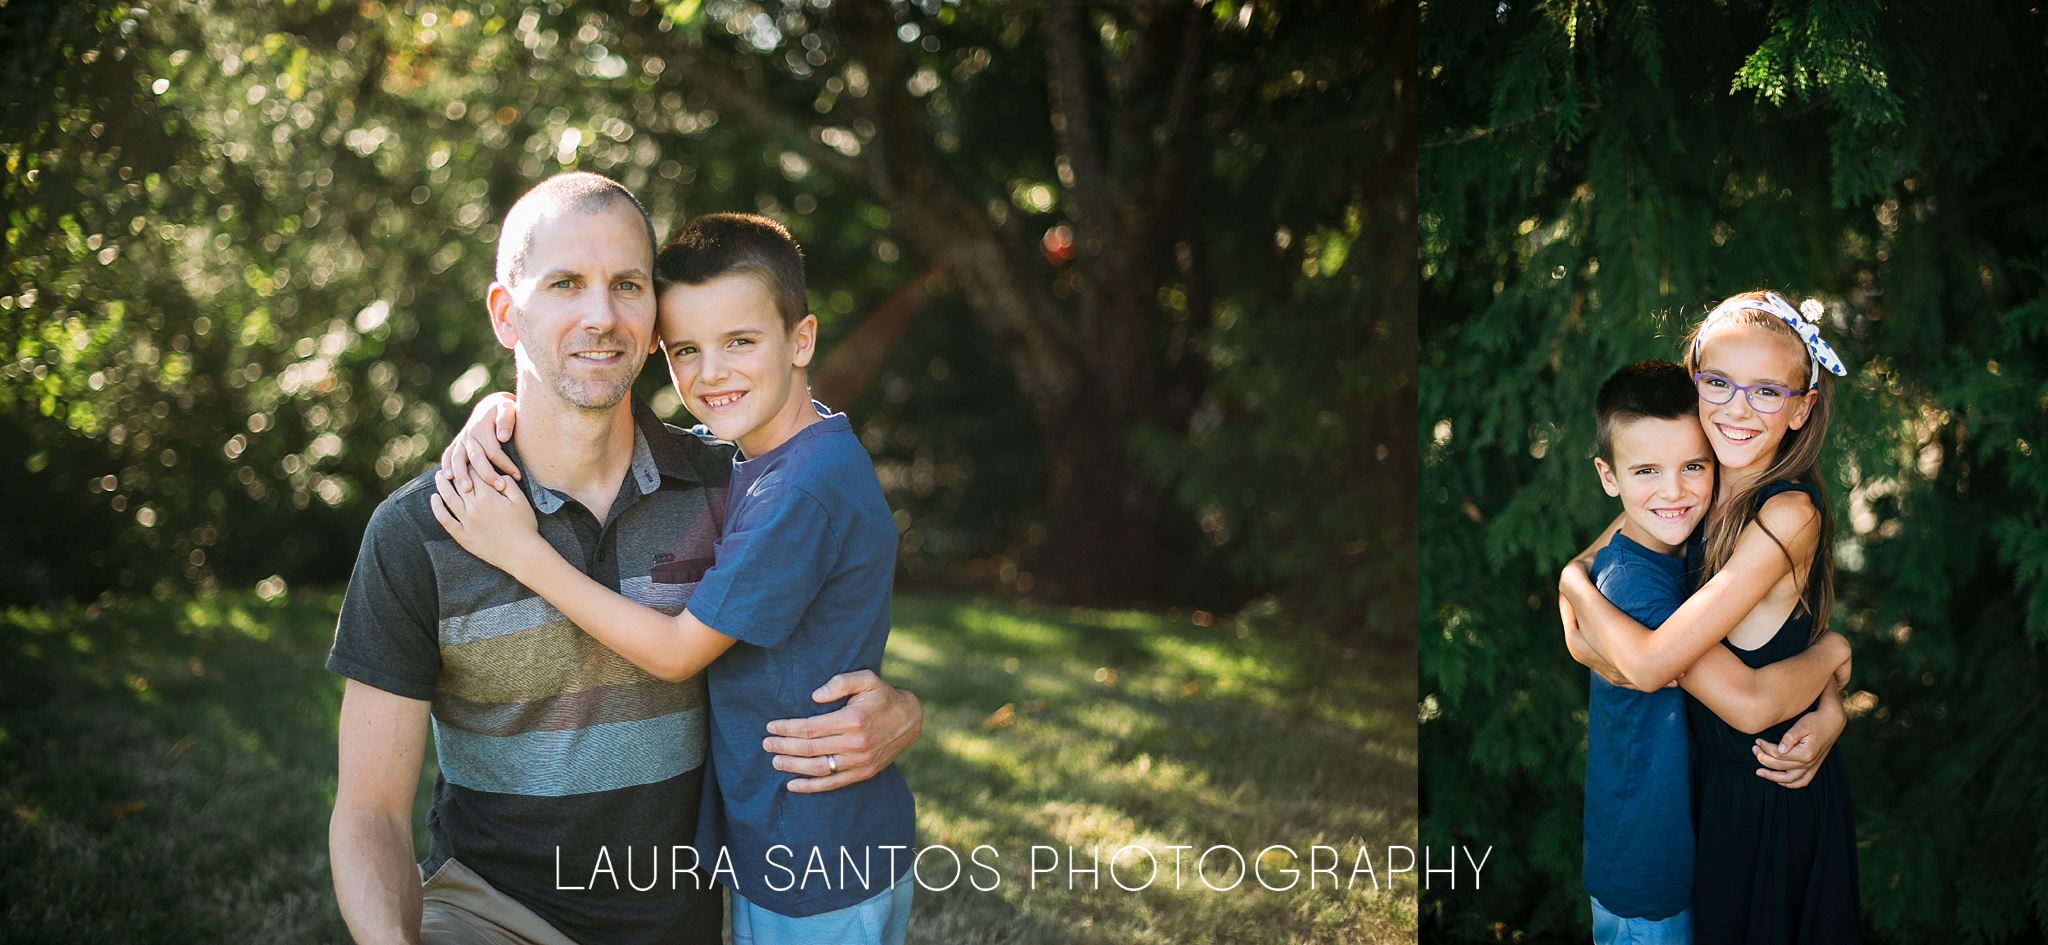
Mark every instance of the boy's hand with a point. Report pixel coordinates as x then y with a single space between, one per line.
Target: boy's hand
476 452
1793 761
852 744
496 525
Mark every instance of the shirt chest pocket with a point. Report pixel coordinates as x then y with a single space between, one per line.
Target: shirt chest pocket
688 571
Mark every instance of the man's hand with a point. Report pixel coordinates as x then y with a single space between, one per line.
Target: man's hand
477 450
878 722
1793 761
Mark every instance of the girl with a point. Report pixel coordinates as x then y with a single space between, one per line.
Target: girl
1772 865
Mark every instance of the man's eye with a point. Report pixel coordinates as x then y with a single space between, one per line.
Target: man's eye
564 284
628 286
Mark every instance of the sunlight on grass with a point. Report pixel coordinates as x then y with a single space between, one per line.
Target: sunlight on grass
166 772
1102 731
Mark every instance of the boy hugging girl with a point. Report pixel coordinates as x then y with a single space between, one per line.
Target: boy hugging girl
1711 814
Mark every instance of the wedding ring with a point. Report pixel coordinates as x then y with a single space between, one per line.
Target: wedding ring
832 763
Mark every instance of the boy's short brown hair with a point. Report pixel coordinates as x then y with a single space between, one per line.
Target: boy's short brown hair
1659 390
722 244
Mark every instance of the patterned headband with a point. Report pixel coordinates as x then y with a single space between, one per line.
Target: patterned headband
1808 332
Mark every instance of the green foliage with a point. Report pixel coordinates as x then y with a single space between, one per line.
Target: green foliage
1297 459
247 248
1594 177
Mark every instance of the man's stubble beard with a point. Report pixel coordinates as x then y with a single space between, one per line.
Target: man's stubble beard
595 395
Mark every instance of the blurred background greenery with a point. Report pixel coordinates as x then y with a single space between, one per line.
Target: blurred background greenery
1118 297
1594 177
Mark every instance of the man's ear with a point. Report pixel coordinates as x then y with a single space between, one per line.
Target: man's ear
499 301
1607 477
805 338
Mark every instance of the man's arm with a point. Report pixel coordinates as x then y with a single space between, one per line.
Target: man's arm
878 723
1751 700
1652 660
369 839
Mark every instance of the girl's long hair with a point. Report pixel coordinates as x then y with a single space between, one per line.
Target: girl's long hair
1797 460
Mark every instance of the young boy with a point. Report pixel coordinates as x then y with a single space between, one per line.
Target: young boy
799 591
1654 456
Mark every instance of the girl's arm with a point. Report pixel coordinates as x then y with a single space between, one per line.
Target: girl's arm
1575 642
1582 651
1652 660
499 527
1752 700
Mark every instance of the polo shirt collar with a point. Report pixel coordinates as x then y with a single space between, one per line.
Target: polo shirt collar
655 454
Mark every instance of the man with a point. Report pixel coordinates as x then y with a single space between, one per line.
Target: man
569 781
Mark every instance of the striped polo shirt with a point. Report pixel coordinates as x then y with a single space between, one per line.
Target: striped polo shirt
569 778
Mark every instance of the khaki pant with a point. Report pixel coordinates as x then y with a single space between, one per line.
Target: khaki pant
460 908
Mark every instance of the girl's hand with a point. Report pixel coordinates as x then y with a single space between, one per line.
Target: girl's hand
496 525
1794 760
476 452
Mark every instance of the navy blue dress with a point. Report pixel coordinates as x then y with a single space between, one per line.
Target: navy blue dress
1772 865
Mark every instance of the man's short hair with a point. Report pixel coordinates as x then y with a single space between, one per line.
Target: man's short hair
1660 390
722 244
579 191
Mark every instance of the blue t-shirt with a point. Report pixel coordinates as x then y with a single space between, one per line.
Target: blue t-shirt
801 579
1639 843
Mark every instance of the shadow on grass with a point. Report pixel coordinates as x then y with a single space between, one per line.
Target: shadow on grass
167 769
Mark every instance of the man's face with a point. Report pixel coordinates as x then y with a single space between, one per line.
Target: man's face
581 318
732 359
1663 472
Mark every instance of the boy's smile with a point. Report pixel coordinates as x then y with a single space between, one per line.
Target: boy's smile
1663 472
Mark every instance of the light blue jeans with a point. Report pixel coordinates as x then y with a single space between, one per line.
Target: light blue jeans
881 920
1611 929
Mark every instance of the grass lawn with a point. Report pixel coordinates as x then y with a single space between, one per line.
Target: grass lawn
166 771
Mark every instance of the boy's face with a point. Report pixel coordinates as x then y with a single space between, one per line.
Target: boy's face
733 363
1663 472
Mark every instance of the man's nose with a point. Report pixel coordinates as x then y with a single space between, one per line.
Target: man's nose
599 311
